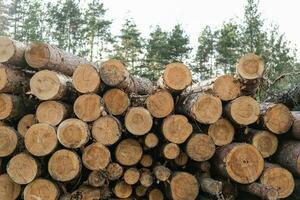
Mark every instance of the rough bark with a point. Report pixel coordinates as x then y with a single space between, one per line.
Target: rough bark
260 190
12 51
12 80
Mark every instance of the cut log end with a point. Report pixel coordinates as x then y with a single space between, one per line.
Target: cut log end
129 152
162 173
8 141
73 133
177 76
64 165
140 190
182 159
131 176
86 78
6 106
184 186
7 49
138 121
37 55
176 128
51 112
265 142
97 178
221 132
25 123
146 160
151 140
226 87
22 168
96 156
116 101
40 139
113 72
41 189
155 194
200 147
114 171
122 190
146 178
9 189
160 104
250 66
171 151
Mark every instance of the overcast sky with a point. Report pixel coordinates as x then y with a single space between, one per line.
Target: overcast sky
195 14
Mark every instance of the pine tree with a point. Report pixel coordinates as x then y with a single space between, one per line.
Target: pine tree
16 19
4 16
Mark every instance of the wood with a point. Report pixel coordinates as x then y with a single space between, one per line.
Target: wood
131 176
11 106
97 178
12 51
87 193
296 125
176 128
52 112
243 110
114 171
170 151
116 101
73 133
64 165
176 77
138 121
86 79
239 161
107 130
122 190
210 186
50 85
41 189
160 104
221 132
23 168
162 173
140 191
276 117
226 87
204 108
146 160
155 194
8 141
25 123
9 189
40 139
278 178
250 67
200 147
182 159
151 140
128 152
184 186
45 56
88 107
11 79
146 178
261 190
96 156
296 193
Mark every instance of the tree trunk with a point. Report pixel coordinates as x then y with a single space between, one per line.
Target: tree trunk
12 52
9 189
200 147
12 80
41 189
11 106
116 101
128 152
9 140
25 123
160 104
260 190
131 176
296 125
222 132
44 56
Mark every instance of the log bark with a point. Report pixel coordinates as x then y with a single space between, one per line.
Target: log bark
25 123
155 194
97 178
122 190
86 78
9 140
87 193
64 165
260 190
170 151
9 189
200 147
12 51
12 80
128 152
276 117
116 101
138 121
239 161
278 178
160 104
131 176
40 139
114 171
41 189
12 106
210 186
45 56
73 133
221 132
296 125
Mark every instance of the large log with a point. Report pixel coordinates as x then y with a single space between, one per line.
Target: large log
41 189
8 141
12 52
45 56
9 189
12 80
221 132
116 101
160 104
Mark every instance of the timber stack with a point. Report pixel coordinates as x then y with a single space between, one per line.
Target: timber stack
73 130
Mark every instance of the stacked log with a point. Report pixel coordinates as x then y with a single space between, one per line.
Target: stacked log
98 132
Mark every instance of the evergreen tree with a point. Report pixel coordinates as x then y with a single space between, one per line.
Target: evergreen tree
4 17
16 19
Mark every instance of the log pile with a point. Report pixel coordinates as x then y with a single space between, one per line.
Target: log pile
72 130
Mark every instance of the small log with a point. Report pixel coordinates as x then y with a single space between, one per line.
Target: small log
96 156
184 186
146 160
45 56
73 133
296 125
122 190
278 178
160 104
138 121
9 189
11 106
276 117
200 147
146 178
182 159
86 78
50 85
107 130
23 168
25 123
114 171
162 173
64 165
87 193
12 51
265 141
96 178
40 139
128 152
88 107
210 186
52 112
114 74
116 101
244 110
9 141
151 140
155 194
176 128
170 151
260 190
41 189
176 77
131 176
141 191
288 156
221 132
12 80
239 161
